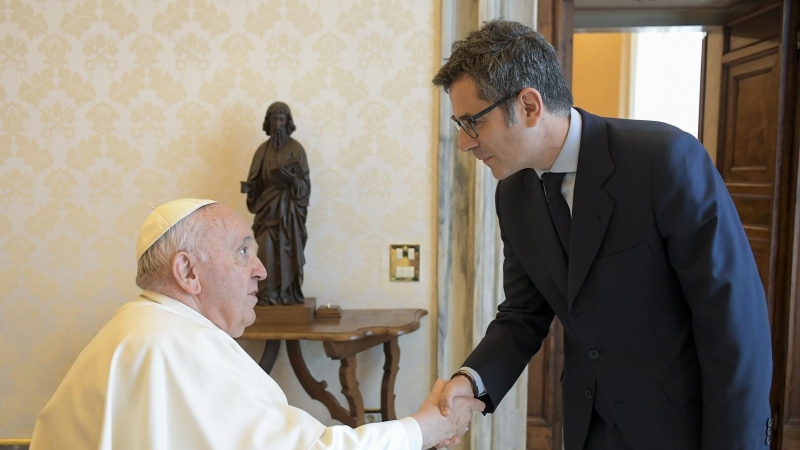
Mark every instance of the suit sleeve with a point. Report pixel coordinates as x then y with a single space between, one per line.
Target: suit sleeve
516 334
710 253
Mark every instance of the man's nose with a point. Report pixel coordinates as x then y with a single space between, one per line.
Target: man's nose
465 141
259 271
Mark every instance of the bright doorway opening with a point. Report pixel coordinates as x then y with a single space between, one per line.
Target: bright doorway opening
653 74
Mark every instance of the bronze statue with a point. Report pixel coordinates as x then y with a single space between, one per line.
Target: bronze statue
277 189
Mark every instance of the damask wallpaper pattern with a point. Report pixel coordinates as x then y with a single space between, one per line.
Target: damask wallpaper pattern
110 107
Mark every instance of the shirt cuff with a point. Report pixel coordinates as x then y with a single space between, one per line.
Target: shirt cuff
477 378
413 432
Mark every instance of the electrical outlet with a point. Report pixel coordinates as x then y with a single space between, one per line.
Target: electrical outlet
372 417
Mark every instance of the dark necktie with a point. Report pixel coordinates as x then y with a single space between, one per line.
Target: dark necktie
559 210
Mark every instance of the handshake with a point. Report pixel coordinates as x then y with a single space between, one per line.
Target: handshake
445 415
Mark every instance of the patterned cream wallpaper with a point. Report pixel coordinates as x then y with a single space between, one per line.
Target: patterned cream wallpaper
110 107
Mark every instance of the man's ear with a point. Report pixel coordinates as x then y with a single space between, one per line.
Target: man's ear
532 106
184 271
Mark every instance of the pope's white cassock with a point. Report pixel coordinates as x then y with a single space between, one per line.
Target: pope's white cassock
162 376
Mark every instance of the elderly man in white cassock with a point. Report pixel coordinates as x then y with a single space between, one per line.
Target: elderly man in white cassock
165 372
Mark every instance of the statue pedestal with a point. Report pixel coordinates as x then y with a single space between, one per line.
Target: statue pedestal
299 313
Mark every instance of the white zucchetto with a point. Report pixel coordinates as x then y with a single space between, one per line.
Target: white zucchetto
163 218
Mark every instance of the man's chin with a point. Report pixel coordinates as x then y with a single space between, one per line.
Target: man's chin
499 173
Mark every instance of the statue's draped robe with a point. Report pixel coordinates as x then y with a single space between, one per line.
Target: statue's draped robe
280 209
162 376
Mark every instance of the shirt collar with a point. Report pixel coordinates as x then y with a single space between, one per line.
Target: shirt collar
567 160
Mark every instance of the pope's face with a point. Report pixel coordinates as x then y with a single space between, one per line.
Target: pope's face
230 273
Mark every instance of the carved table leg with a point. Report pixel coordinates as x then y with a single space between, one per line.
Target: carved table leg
347 376
346 352
316 389
390 367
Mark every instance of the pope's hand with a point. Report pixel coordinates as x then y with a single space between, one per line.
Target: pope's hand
438 429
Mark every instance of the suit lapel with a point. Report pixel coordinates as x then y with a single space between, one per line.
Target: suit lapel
544 234
591 205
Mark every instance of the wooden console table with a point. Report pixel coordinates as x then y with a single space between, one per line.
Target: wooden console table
342 339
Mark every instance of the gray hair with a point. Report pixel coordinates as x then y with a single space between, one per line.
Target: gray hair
154 269
505 57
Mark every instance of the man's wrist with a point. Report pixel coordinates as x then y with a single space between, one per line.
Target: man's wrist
468 376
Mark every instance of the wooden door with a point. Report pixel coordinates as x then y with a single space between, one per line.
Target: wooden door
755 156
758 157
554 22
747 153
786 326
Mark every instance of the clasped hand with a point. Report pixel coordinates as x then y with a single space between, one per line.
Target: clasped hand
442 426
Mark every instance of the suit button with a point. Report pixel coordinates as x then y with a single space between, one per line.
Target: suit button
769 422
767 440
588 394
594 354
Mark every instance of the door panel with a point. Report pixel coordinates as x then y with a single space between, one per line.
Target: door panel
751 125
748 148
759 28
756 105
755 156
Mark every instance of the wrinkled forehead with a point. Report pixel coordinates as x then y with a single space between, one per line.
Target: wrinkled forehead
228 226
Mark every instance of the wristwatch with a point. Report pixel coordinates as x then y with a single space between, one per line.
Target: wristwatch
472 383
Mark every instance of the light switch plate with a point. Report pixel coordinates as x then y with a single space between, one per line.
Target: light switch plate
372 416
404 262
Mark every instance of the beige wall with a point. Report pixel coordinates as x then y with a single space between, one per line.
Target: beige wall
601 73
111 107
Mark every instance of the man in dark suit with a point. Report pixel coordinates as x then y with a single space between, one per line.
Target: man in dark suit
626 232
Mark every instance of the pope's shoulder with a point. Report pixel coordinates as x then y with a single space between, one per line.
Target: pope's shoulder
141 324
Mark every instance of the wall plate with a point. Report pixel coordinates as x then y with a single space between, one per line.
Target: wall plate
372 416
404 262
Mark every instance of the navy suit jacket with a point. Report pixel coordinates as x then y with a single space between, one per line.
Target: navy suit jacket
661 302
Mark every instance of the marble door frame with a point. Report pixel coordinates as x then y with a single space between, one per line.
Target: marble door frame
469 278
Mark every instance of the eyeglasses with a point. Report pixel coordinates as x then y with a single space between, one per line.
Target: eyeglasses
468 123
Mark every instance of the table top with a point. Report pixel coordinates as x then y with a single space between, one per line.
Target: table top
354 324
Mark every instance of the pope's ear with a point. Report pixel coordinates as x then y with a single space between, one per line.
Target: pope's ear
532 106
184 271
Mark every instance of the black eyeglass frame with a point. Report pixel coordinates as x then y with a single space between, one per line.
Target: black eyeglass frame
468 123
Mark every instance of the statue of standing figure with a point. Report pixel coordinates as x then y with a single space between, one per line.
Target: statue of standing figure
278 188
